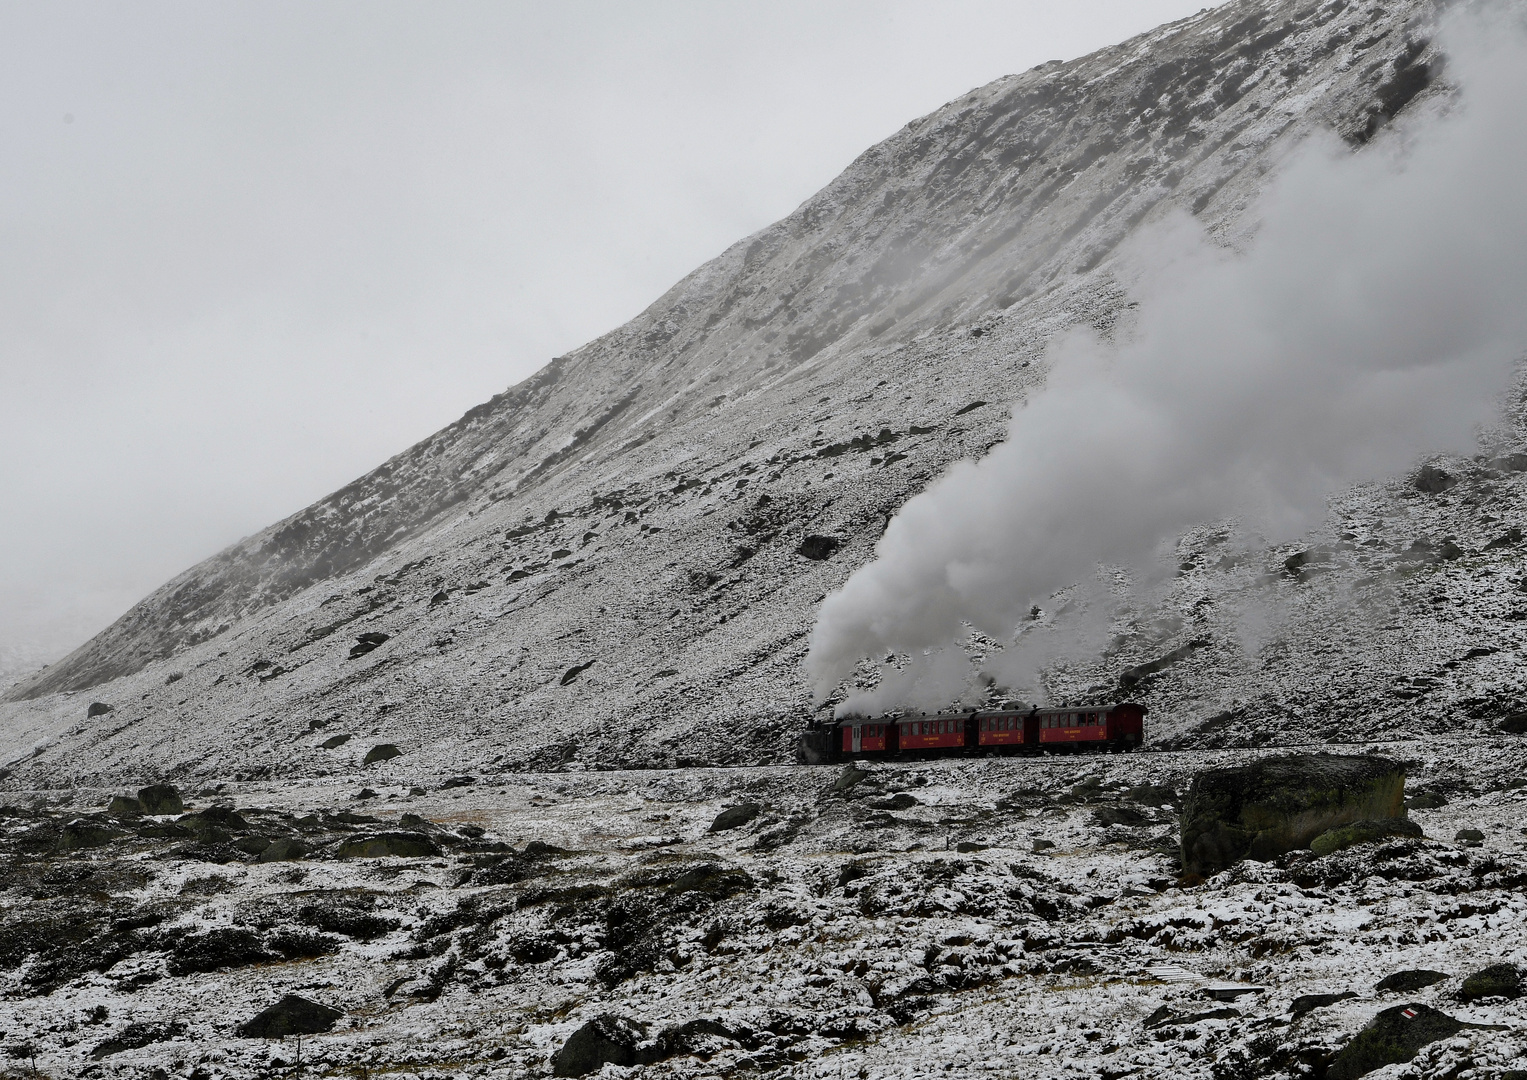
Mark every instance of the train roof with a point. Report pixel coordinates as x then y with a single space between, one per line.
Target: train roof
1009 707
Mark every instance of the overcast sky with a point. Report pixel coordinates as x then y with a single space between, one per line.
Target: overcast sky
249 251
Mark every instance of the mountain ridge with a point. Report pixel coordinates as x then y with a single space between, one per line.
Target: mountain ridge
848 342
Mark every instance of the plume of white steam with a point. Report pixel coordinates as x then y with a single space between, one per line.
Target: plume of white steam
1376 318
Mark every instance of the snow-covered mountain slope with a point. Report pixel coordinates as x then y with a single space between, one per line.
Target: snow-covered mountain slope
612 563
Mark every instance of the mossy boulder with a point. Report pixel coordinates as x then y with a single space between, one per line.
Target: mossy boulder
1392 1037
161 799
1280 804
398 845
1362 832
124 806
1497 980
284 849
1409 981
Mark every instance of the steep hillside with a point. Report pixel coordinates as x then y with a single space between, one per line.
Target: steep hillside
617 561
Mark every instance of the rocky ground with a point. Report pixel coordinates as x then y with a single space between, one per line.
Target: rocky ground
1013 916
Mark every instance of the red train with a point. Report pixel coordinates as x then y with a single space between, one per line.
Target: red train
1008 730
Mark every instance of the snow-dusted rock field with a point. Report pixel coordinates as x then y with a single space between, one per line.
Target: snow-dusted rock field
1010 917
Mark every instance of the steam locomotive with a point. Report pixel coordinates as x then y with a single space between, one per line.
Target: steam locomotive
1007 730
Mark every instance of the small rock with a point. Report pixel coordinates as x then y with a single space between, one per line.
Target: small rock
416 791
252 845
607 1040
366 793
818 548
1409 981
1310 1002
1425 800
398 845
735 817
1043 845
292 1015
1469 837
439 598
124 806
334 742
458 781
1497 980
850 776
364 643
900 801
284 849
98 708
161 799
1392 1037
965 847
573 672
381 752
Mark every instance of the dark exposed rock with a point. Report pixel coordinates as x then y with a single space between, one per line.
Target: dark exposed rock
1118 815
735 817
1392 1037
1310 1002
1515 724
457 781
1469 837
606 1040
1433 480
364 643
124 806
401 845
98 708
439 598
1409 981
83 833
334 742
1497 980
381 752
292 1015
902 800
1362 832
1131 678
1425 800
573 672
136 1036
1042 845
161 799
818 548
1280 804
284 849
223 947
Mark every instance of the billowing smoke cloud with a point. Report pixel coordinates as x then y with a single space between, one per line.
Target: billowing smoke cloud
1376 318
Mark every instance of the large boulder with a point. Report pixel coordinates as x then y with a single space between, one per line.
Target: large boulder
1392 1037
398 845
1280 804
605 1040
292 1015
160 799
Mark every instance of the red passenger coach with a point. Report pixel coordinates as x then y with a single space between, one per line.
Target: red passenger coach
1092 727
1008 730
941 731
861 736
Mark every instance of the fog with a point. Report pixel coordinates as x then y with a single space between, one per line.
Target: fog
252 250
1377 317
